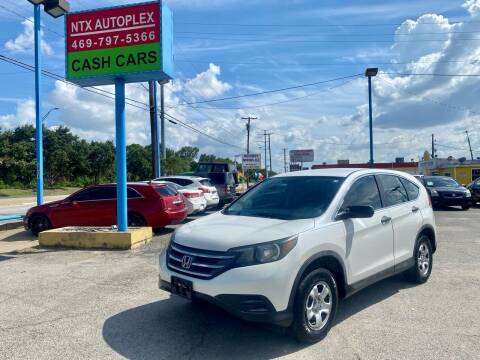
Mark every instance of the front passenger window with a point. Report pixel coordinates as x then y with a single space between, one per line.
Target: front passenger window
363 192
394 191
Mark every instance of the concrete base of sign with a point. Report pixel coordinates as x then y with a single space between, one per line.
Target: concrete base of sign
95 237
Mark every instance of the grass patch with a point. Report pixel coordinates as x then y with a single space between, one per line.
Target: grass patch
11 193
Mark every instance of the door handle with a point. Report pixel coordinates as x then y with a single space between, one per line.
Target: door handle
385 220
415 209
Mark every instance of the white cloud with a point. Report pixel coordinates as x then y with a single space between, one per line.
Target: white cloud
24 41
24 114
206 84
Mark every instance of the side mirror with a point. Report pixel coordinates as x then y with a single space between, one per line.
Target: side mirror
356 212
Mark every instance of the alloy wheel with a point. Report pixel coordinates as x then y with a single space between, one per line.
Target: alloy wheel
318 306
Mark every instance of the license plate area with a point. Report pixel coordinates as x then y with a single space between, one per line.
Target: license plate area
182 287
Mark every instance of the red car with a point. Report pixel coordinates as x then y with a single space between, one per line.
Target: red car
149 204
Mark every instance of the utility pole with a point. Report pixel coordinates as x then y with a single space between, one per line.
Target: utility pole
285 159
152 95
369 73
433 146
469 145
269 153
248 118
163 151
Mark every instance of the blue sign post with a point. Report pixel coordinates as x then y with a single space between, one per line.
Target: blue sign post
38 104
120 45
121 149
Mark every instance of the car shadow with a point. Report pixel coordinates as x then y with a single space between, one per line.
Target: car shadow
20 236
175 328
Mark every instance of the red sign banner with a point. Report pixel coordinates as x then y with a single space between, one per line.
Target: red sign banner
115 27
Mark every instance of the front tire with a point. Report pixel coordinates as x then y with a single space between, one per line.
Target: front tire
39 223
420 272
315 306
466 207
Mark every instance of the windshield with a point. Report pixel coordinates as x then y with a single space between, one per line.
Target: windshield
440 182
290 198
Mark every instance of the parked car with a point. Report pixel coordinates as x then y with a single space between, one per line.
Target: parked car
290 248
474 188
194 182
149 204
445 191
194 199
226 186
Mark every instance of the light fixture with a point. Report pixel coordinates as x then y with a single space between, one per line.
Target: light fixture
36 2
163 82
371 72
56 8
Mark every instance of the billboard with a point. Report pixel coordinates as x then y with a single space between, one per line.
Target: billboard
132 42
251 161
300 156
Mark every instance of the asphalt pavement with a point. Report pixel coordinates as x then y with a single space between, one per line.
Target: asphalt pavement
67 304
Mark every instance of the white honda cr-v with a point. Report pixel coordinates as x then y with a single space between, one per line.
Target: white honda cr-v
291 247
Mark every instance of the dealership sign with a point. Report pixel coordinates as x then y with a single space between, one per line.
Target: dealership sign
301 156
131 42
251 161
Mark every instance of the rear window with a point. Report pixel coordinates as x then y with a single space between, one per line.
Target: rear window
205 182
218 178
165 191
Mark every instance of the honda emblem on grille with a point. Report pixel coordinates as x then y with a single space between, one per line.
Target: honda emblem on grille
187 261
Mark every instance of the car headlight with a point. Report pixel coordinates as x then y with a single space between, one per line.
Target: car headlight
265 252
468 193
433 192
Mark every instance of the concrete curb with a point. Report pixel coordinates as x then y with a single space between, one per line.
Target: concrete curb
11 225
95 237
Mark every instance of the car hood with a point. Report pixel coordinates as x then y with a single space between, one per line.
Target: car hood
220 232
45 206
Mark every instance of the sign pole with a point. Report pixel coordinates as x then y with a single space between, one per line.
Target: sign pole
121 155
38 104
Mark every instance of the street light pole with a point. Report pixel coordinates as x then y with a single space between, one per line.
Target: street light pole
370 72
54 8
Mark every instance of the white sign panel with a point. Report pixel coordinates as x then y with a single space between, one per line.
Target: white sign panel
301 156
251 161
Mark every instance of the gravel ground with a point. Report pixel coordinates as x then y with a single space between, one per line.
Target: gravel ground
106 305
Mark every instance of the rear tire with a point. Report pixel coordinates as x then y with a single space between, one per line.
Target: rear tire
420 272
315 306
39 223
136 220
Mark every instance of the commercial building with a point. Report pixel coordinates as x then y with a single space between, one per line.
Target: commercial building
399 164
462 170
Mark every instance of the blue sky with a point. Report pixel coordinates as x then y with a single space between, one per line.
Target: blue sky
228 48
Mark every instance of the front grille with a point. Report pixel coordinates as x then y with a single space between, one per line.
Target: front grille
452 195
202 264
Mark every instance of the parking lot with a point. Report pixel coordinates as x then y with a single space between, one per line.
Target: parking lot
106 304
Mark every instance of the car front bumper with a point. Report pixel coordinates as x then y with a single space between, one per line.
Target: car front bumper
459 201
255 293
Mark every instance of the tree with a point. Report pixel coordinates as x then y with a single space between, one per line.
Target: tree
101 158
138 163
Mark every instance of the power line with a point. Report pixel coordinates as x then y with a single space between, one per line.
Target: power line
194 129
329 33
106 94
278 102
269 91
326 41
326 64
321 25
30 20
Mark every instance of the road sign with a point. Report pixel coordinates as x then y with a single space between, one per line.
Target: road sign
301 156
251 161
132 42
